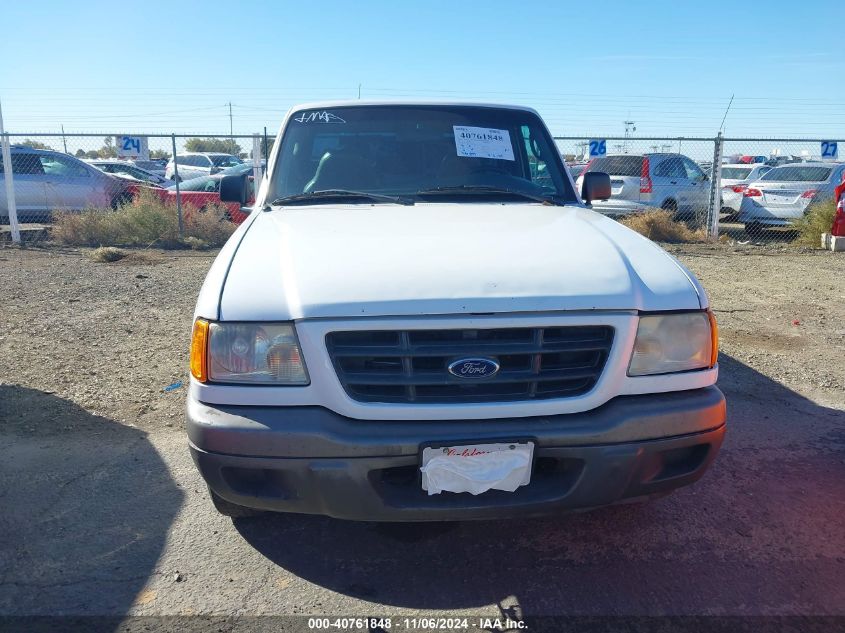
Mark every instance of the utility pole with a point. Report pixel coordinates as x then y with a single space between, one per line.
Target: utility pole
231 134
629 127
359 92
64 140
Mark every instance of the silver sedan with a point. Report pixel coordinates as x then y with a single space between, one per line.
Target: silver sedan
783 194
45 181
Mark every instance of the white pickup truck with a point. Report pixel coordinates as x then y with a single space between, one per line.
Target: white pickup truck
422 319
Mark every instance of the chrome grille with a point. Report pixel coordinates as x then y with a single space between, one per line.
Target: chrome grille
410 366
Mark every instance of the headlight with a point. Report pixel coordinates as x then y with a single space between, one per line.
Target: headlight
674 342
257 353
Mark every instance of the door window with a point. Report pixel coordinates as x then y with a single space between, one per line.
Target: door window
24 164
62 166
537 166
693 171
670 168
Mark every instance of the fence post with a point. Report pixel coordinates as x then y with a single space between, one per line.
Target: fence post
715 201
10 184
257 172
178 194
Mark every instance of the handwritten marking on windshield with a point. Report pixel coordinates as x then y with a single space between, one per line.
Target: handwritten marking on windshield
324 117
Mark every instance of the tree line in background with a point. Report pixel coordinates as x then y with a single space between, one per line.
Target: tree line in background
109 149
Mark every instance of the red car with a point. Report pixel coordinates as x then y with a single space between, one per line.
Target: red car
198 193
838 228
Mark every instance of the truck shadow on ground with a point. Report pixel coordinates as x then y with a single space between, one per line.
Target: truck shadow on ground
87 506
744 537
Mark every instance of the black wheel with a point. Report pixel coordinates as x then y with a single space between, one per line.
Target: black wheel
124 197
671 206
753 229
730 215
229 509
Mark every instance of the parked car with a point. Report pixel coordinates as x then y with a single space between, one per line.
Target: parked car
125 169
576 169
752 160
784 193
157 166
45 181
640 181
777 161
422 324
195 164
198 193
735 179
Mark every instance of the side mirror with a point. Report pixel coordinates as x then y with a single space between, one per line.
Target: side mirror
596 186
233 189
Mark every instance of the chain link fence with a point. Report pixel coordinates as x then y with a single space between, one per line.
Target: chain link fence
747 190
741 189
57 176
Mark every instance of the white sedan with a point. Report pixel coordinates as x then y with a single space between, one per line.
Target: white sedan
783 194
735 180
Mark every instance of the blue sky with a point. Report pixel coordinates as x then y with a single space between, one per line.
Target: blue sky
586 65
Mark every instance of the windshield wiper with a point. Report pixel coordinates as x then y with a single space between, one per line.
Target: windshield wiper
340 194
487 190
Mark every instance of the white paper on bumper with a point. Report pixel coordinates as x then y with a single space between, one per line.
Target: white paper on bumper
476 468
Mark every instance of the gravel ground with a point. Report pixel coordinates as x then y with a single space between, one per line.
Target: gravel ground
105 514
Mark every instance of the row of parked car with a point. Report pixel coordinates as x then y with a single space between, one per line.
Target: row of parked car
46 180
752 192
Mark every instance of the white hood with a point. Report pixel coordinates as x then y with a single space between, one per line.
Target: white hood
390 260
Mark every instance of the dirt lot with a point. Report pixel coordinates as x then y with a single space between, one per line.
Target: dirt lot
105 514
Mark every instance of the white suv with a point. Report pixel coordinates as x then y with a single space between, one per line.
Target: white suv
420 320
196 164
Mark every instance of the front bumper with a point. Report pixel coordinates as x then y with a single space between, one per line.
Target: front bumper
311 460
751 212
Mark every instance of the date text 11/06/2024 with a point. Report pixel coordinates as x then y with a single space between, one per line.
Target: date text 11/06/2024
425 624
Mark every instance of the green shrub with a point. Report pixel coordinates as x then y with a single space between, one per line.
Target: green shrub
817 220
146 221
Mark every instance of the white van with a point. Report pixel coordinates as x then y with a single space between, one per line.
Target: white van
195 164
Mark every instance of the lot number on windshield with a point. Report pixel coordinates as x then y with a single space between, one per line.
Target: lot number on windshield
598 148
830 149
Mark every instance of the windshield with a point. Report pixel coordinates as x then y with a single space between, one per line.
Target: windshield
404 150
237 170
225 161
735 173
203 183
618 165
793 173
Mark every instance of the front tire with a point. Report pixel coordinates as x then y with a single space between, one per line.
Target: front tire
229 509
753 229
124 197
672 207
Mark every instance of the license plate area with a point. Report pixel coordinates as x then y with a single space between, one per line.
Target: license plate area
476 467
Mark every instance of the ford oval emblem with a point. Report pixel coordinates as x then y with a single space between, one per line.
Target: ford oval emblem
474 368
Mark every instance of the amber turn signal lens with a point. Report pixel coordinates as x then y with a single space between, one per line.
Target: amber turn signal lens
714 338
199 350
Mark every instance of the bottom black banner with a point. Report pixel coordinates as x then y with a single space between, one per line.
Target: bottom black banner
422 624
